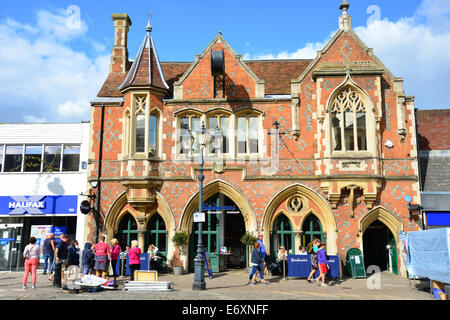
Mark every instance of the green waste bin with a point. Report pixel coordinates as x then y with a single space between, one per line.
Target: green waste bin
354 263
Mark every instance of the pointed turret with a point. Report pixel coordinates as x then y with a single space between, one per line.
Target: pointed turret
146 70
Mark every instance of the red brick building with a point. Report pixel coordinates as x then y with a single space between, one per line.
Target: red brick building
311 148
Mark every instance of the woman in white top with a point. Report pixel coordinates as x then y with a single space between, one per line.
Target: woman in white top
32 254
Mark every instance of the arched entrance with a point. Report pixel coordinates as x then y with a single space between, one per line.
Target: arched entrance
187 218
300 202
380 228
224 227
380 247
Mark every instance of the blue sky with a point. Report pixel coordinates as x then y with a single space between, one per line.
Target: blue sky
55 54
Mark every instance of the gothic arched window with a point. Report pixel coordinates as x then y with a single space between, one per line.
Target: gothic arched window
348 121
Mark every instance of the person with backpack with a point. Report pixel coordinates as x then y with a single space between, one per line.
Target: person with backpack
87 259
32 254
314 259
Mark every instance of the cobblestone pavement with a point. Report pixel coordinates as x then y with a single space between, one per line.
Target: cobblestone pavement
230 285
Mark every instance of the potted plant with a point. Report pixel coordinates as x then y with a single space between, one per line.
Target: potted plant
248 240
180 240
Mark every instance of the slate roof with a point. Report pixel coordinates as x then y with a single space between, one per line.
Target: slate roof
146 69
433 129
276 73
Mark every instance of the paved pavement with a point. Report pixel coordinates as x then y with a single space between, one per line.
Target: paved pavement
230 285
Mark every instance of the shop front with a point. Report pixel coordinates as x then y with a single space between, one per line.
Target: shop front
22 217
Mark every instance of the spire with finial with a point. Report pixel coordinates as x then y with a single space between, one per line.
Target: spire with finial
345 21
344 6
149 26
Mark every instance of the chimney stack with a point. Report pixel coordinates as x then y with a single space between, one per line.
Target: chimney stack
119 58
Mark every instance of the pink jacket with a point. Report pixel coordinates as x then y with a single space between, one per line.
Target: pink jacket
115 252
134 255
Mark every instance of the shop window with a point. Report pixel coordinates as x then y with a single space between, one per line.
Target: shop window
33 155
52 158
348 121
13 158
71 158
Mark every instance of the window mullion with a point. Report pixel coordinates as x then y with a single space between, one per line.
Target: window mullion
343 142
355 131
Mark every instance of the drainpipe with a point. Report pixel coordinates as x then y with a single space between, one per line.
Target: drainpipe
419 168
99 174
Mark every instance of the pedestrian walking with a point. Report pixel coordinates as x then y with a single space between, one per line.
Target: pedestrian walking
32 254
115 253
262 252
256 264
61 254
88 259
314 259
73 258
323 265
102 257
49 253
134 258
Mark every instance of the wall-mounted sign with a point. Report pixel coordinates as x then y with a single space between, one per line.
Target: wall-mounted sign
38 205
199 217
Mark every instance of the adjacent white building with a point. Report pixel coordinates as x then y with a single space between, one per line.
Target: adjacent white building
43 171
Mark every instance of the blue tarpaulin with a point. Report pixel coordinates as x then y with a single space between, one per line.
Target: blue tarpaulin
430 254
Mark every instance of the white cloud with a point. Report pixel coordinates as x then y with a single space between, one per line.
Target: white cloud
43 77
416 48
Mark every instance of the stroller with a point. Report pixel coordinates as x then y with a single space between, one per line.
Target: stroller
273 267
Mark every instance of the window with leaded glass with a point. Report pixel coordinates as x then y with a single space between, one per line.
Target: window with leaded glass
312 228
282 235
348 121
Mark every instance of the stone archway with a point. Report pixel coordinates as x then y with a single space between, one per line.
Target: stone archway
389 221
209 190
212 188
323 212
120 207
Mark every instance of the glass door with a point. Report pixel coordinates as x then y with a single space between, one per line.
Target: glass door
7 242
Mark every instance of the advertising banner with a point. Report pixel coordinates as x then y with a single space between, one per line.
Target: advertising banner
39 232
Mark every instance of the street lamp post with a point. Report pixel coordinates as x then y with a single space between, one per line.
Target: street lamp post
203 137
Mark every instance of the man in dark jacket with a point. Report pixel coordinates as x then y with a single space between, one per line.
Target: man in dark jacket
61 254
